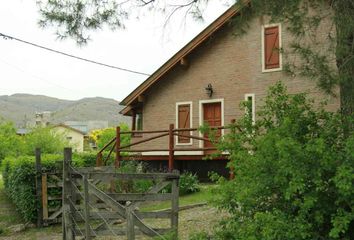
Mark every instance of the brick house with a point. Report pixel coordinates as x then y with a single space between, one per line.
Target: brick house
207 80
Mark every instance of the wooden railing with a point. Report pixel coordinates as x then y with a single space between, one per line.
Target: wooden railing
115 144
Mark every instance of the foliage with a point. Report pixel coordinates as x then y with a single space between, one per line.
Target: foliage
19 181
102 136
10 143
293 173
45 139
188 183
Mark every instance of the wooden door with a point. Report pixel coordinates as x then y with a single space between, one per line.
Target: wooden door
212 117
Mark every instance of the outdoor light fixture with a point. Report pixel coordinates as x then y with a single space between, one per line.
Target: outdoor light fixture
209 90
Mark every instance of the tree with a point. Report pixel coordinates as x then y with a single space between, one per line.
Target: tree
10 142
293 173
74 18
102 136
45 139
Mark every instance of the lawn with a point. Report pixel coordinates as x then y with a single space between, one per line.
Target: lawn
203 196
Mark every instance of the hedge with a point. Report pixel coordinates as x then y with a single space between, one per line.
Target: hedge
19 176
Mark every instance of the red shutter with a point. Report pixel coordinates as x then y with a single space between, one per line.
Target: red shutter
271 47
184 122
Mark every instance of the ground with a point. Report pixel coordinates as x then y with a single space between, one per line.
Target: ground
190 221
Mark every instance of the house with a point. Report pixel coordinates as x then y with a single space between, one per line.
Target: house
206 81
76 138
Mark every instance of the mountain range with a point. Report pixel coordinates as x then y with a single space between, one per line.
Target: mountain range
21 109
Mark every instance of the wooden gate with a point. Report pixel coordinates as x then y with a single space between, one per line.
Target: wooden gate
90 210
49 193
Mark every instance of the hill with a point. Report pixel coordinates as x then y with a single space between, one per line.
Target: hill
21 109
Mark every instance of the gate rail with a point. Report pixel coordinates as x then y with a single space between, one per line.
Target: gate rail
85 203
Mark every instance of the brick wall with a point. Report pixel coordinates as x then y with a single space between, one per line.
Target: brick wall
233 65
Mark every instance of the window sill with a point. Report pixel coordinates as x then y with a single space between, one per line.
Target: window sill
272 70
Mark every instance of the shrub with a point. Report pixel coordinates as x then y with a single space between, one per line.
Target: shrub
293 173
188 183
19 181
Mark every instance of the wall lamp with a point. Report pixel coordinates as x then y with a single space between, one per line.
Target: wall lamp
209 90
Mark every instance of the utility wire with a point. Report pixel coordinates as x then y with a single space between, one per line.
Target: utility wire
5 36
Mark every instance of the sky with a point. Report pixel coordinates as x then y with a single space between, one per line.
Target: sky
145 44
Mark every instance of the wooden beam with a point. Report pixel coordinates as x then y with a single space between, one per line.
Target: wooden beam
184 62
141 98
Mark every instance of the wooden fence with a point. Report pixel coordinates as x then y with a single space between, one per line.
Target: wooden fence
49 193
90 209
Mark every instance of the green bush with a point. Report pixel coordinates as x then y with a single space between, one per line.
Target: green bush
19 181
293 173
188 183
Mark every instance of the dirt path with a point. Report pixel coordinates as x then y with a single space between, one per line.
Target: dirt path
190 221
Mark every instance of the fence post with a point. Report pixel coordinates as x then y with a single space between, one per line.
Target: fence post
170 148
67 224
117 161
175 206
39 187
87 208
130 223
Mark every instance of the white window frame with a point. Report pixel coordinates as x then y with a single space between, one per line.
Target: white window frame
247 95
190 122
201 113
264 70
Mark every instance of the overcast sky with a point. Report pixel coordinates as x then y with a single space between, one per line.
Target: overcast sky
143 46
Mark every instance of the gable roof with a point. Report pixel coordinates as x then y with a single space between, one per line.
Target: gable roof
69 128
194 43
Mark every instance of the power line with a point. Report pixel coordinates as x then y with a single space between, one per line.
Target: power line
5 36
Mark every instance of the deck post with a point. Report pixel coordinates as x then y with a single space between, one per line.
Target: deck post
233 132
171 148
117 161
39 187
99 161
67 223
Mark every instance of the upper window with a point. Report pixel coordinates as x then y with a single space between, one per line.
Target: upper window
137 122
184 120
271 45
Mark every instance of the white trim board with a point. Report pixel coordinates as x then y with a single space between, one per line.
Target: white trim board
179 153
253 105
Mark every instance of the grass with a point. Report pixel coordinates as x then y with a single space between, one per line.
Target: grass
8 214
204 195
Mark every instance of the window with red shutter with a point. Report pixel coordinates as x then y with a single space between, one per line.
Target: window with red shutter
271 47
183 117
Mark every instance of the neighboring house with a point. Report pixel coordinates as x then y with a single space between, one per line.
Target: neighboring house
208 79
75 137
87 126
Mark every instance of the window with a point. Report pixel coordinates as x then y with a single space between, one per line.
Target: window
69 138
184 120
251 108
137 122
271 45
